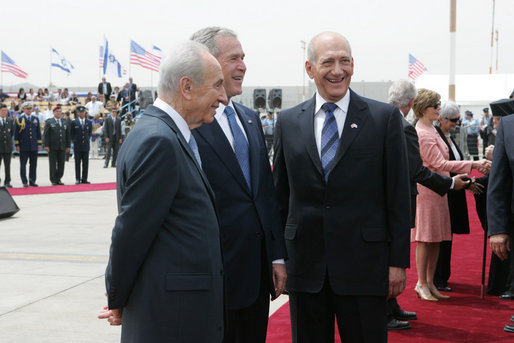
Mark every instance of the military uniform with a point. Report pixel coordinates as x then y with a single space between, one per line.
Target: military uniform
6 146
80 135
57 139
27 136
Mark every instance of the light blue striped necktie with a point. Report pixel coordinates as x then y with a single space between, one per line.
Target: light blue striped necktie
329 139
240 145
194 147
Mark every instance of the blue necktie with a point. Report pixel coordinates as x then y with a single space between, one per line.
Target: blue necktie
194 147
240 145
329 139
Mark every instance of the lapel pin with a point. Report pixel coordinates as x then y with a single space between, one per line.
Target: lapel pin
353 126
249 121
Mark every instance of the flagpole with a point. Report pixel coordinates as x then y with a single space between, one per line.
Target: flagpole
453 29
50 70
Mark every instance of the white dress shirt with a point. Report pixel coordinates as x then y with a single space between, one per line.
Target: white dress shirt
339 113
177 118
222 119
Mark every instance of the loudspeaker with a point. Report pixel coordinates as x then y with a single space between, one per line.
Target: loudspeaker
7 205
259 98
275 98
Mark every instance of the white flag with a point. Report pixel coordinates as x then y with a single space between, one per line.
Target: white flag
112 66
59 61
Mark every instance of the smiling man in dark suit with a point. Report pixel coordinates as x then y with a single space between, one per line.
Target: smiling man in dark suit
342 180
165 272
235 160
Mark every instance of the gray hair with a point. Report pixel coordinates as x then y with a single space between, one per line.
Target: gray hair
207 36
311 54
401 93
185 60
448 110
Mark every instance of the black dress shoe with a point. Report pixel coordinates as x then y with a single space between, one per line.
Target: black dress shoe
86 182
60 183
8 185
33 184
444 288
25 185
394 324
105 166
507 295
400 314
55 183
77 182
512 318
509 328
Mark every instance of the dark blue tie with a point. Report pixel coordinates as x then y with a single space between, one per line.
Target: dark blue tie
194 147
329 139
240 145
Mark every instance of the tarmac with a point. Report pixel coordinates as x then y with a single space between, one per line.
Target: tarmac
53 255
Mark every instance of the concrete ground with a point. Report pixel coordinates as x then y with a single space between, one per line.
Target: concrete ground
53 254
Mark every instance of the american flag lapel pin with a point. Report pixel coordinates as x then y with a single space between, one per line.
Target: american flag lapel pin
249 121
353 126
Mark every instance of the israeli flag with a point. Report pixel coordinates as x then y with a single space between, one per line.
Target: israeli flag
112 66
59 61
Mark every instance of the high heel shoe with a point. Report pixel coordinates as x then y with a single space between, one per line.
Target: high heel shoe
438 295
422 296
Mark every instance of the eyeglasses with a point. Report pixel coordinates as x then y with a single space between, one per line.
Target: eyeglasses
454 120
436 106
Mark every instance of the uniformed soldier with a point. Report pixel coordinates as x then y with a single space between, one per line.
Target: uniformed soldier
6 147
57 142
27 139
113 137
81 130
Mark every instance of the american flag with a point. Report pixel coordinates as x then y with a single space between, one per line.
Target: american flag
416 68
9 66
143 58
101 57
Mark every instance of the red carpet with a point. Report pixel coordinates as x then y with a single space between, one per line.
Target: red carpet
63 189
463 318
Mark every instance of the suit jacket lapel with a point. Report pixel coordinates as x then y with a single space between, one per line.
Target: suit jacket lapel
356 117
215 137
306 123
156 112
253 144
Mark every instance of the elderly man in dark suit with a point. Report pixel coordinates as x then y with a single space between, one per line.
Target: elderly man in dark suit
235 161
57 143
500 194
105 88
342 180
81 130
402 94
165 272
112 136
6 140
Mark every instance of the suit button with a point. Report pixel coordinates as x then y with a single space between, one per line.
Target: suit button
327 207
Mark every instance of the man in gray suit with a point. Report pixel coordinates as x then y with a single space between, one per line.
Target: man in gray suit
6 146
165 272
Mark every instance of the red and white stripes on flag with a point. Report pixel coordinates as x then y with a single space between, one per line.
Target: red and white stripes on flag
101 57
416 68
9 66
143 58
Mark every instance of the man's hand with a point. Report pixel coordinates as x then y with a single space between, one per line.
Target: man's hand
112 316
459 183
279 278
397 281
47 149
39 147
18 149
67 150
476 188
500 244
483 166
107 140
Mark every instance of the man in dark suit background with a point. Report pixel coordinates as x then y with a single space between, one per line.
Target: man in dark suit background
500 194
27 139
57 143
402 94
105 88
112 136
165 272
234 158
342 180
6 140
81 130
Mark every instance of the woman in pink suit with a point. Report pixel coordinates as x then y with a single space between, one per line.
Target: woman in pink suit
432 213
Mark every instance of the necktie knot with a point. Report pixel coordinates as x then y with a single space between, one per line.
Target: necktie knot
329 107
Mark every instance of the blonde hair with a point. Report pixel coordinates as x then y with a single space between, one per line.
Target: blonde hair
425 99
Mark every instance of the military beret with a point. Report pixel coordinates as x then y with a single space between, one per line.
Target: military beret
81 109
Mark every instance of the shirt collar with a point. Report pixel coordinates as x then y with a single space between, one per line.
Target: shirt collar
343 103
177 118
220 111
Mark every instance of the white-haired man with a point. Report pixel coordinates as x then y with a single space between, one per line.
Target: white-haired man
165 272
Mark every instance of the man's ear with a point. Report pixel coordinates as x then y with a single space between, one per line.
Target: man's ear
308 69
186 87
